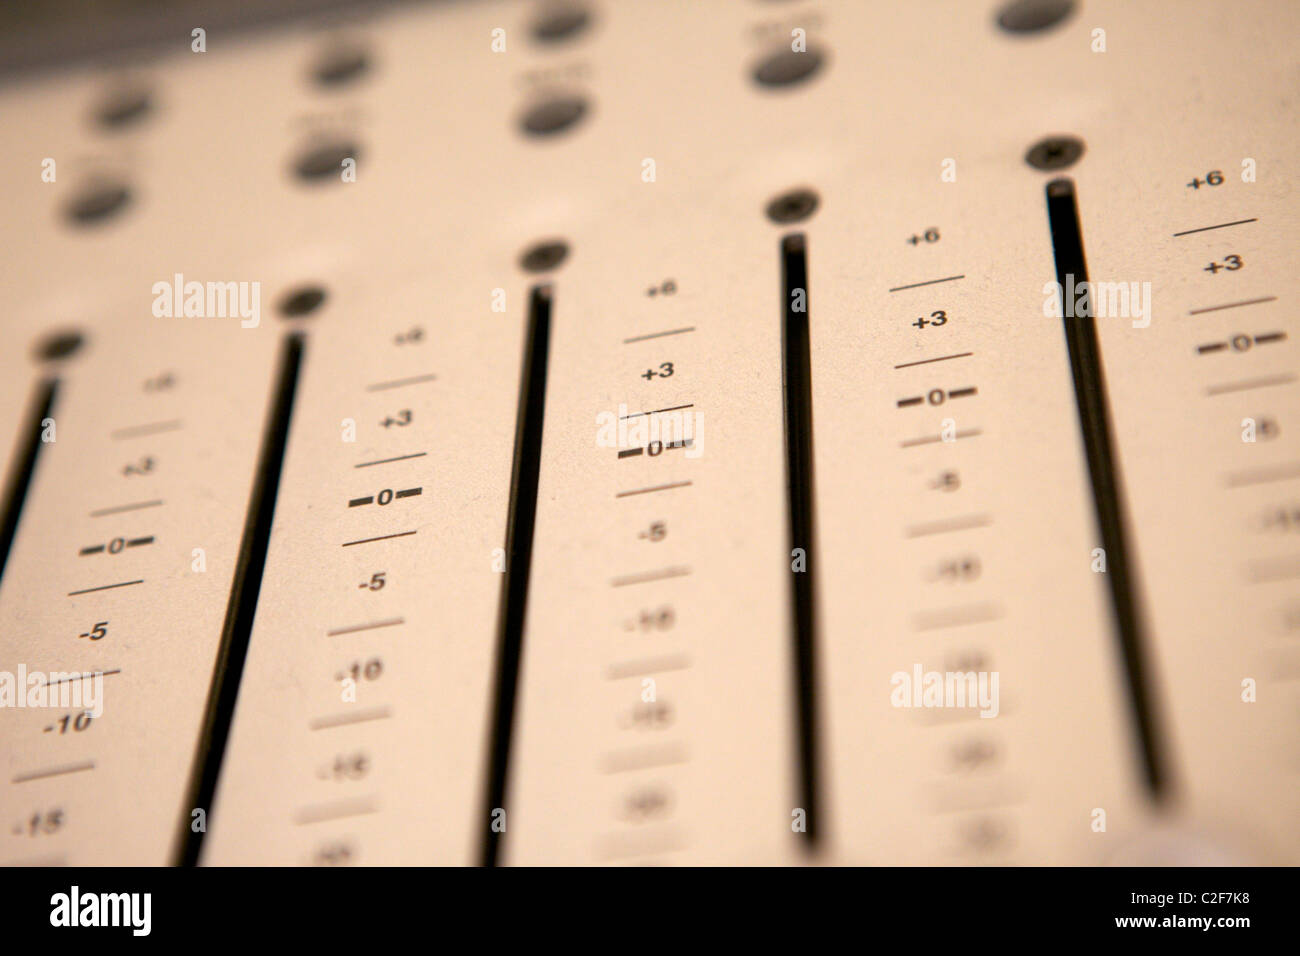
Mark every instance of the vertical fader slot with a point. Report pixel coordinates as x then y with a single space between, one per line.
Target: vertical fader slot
519 551
24 467
1094 418
242 607
797 374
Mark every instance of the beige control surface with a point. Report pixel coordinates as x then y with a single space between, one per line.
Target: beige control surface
698 675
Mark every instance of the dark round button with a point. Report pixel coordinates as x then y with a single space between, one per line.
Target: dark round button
553 116
59 345
560 22
1031 16
322 160
1055 152
124 107
786 67
794 206
544 256
302 301
340 66
98 202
